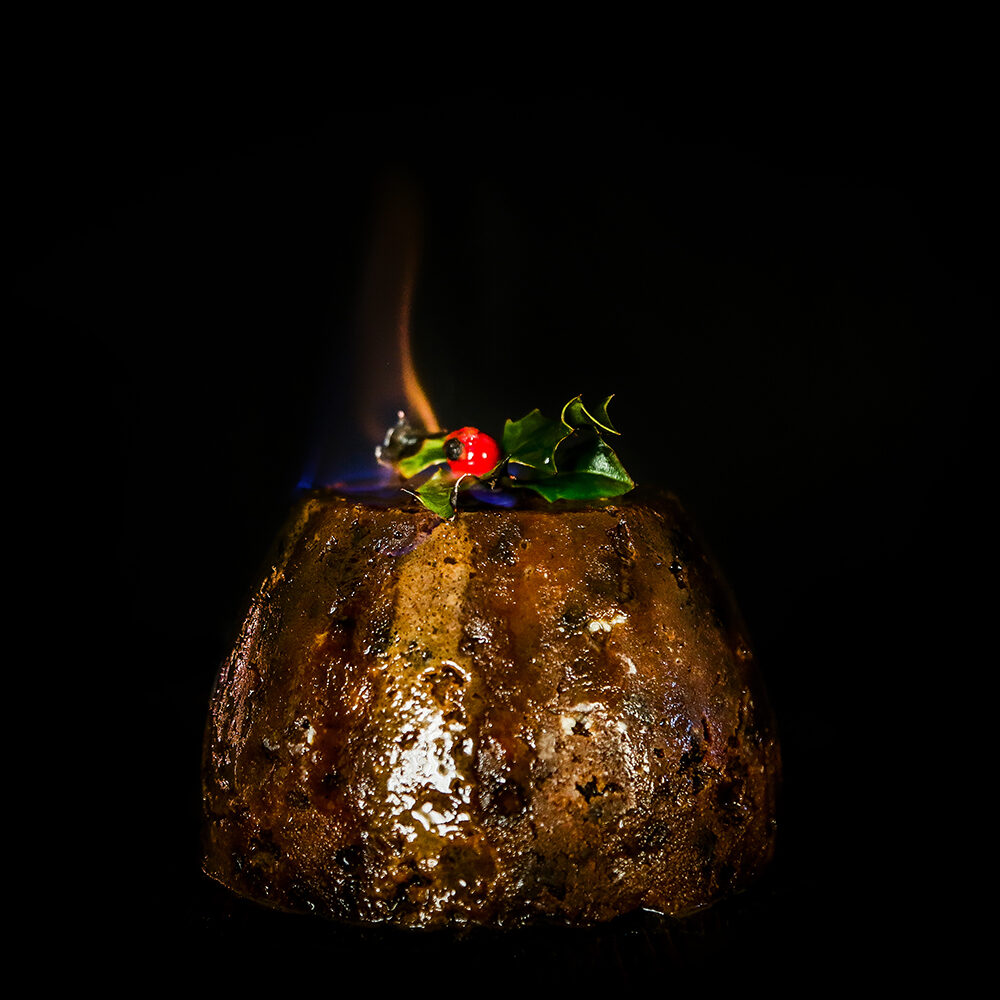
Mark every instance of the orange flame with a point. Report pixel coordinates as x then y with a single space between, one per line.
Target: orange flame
418 405
388 373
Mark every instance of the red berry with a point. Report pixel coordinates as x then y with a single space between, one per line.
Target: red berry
472 453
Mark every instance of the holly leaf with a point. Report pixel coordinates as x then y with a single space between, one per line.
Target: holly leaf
431 452
437 494
577 486
592 472
440 492
575 414
532 441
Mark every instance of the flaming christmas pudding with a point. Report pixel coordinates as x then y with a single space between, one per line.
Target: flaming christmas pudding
517 691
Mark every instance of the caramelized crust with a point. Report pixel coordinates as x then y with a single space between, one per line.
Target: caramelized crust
547 712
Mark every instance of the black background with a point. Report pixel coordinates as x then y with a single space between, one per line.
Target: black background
786 280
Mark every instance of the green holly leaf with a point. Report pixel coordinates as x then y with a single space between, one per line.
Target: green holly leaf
575 414
532 441
592 471
578 486
440 492
437 494
431 452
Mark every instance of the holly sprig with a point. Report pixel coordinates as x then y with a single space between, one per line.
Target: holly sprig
564 459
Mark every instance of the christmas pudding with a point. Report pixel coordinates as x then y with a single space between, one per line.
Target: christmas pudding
441 710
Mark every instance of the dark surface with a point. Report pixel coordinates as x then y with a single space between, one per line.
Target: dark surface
789 290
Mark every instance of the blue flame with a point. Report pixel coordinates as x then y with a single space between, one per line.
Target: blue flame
497 498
